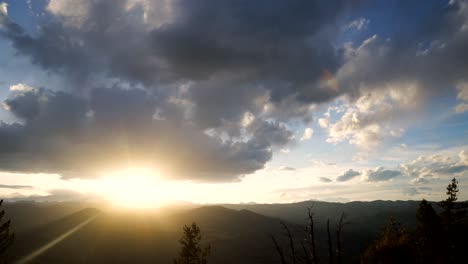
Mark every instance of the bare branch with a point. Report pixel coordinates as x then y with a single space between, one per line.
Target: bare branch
291 242
339 228
307 256
312 235
279 250
330 247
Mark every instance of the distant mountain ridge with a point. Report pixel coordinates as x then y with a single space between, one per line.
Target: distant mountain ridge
238 233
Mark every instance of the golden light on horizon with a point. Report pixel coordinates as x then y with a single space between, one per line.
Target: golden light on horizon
140 188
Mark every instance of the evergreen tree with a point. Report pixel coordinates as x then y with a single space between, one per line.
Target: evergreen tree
455 223
392 246
192 252
429 236
6 237
452 190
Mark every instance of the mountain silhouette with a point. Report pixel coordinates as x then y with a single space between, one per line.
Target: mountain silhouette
238 233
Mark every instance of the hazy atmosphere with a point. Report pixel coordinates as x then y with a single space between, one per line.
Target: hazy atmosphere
232 101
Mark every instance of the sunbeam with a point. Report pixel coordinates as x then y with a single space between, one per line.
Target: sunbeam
28 258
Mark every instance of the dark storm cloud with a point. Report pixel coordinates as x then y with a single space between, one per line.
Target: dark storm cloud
254 53
348 175
285 45
280 41
75 137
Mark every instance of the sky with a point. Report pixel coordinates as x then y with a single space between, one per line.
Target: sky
145 102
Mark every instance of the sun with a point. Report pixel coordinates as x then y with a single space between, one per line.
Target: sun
140 188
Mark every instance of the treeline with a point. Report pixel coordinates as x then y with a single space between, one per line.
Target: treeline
438 237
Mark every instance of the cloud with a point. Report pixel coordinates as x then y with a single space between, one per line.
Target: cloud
308 132
3 8
380 61
58 195
285 150
325 179
425 168
66 134
358 24
371 118
285 168
406 64
20 87
412 191
380 174
348 175
160 84
241 46
16 187
166 59
463 97
3 14
325 120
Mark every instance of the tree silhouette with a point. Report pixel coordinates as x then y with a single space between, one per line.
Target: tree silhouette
452 190
191 251
6 238
429 236
309 256
438 238
455 223
392 246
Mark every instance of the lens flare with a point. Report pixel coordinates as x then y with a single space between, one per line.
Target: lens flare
328 81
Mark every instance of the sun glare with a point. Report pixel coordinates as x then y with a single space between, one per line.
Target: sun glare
135 188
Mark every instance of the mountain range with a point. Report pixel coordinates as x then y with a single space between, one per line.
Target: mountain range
237 233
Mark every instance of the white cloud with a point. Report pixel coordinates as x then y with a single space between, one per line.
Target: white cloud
308 132
462 95
461 108
358 24
3 13
463 91
20 87
74 12
247 119
322 163
154 13
285 150
371 118
323 122
436 166
463 156
4 8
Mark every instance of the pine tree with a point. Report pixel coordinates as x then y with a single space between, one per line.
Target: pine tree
392 246
455 222
6 237
452 190
429 236
192 252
